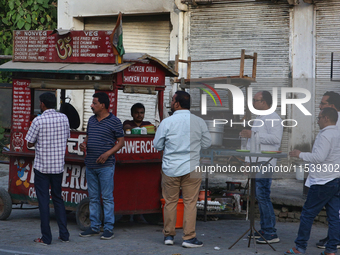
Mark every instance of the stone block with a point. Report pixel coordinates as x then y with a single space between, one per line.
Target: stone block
290 215
282 220
323 219
297 215
277 212
284 209
323 213
289 220
283 214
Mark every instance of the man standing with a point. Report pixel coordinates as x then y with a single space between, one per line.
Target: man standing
181 137
329 99
103 130
270 133
49 133
137 113
323 182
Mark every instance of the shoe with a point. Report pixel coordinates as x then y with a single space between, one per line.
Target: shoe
270 239
192 243
63 241
88 232
322 243
256 235
293 251
107 235
169 240
40 241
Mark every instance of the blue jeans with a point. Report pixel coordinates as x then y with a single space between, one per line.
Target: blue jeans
327 195
42 183
265 205
100 182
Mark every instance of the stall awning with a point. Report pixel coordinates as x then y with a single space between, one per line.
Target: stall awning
75 68
65 68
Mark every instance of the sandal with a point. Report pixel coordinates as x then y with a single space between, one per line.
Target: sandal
293 251
39 241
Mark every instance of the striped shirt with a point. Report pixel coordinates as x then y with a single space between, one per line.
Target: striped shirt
49 132
101 137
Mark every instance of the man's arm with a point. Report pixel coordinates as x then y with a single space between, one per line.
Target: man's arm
30 145
159 140
102 158
83 145
206 137
320 151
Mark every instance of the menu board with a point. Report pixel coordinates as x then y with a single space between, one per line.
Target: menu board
21 105
73 47
143 74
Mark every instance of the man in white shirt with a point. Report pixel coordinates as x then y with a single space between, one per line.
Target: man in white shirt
270 132
331 99
323 182
181 137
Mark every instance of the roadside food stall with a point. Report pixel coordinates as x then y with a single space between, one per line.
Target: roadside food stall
80 60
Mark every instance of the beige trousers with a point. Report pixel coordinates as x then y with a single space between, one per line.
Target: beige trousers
170 190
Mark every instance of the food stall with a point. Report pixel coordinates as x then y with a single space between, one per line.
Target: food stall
78 60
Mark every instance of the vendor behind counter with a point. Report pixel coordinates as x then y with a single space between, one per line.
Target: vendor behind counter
137 113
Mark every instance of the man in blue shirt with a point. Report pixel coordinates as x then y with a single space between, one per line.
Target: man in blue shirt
181 137
103 130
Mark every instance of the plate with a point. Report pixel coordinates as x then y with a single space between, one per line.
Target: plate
270 152
243 150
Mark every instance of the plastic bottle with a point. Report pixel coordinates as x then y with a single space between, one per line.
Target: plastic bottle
144 131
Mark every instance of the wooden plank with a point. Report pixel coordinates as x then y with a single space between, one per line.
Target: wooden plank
189 68
254 66
243 52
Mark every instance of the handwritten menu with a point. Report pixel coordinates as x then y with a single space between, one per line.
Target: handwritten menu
73 47
21 105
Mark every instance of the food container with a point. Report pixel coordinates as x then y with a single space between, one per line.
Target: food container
150 129
136 131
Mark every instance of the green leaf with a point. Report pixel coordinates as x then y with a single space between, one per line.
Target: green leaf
27 26
2 130
5 20
28 18
20 23
35 7
48 18
42 19
21 12
1 136
8 51
11 4
40 1
29 2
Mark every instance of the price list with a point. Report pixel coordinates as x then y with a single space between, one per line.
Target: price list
73 47
21 105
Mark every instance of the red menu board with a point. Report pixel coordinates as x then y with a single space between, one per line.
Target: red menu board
21 105
73 47
143 74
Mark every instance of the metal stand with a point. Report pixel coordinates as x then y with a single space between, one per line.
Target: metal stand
251 218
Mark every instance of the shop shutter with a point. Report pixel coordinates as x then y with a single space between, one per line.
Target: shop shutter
327 41
222 30
145 34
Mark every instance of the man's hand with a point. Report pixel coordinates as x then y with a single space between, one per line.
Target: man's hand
82 146
295 153
102 158
245 133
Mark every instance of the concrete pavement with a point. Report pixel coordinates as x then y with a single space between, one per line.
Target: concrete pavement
19 230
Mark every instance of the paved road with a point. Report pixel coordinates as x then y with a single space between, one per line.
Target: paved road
19 230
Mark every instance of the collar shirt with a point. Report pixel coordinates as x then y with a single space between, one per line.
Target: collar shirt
325 157
270 132
101 137
181 136
49 132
